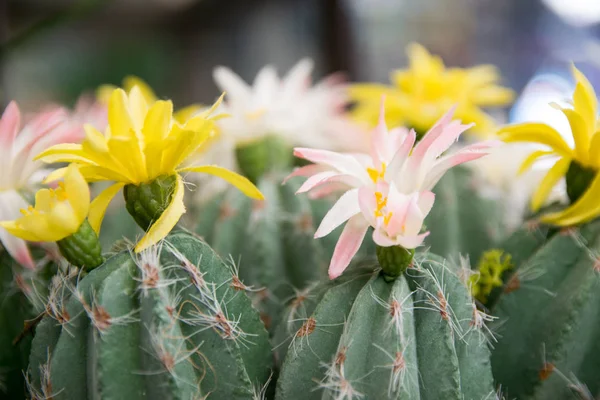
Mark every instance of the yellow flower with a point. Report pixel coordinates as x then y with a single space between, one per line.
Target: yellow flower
58 213
141 144
105 91
425 91
580 164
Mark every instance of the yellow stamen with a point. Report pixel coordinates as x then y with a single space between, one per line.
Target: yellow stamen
376 175
387 218
381 202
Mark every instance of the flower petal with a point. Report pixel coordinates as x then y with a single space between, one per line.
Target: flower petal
100 204
9 125
555 173
237 180
536 133
531 158
17 248
78 192
346 207
584 99
584 209
347 245
167 220
16 230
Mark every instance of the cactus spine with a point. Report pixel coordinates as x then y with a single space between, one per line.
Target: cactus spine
415 337
171 323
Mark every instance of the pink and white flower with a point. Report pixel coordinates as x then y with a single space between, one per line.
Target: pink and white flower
389 190
19 173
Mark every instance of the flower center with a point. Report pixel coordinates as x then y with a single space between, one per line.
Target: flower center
381 203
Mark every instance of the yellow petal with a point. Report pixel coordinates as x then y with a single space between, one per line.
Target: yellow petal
555 173
138 107
584 99
536 133
595 150
104 92
94 139
581 135
100 204
55 175
531 159
130 81
207 113
158 121
44 200
167 220
62 221
40 227
239 181
119 117
370 91
67 152
183 115
78 192
586 208
15 229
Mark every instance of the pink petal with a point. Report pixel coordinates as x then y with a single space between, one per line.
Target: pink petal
367 204
381 238
414 217
425 202
316 180
379 137
327 189
347 246
398 204
398 160
411 242
342 162
305 171
17 248
464 155
430 137
9 125
345 208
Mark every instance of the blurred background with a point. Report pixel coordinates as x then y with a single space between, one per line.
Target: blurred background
52 50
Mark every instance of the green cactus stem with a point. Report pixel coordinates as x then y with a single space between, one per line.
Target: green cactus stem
147 201
82 249
578 179
172 323
256 158
394 260
549 315
418 337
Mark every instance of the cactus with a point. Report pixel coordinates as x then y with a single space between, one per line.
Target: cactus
21 291
549 314
272 240
463 222
419 336
171 322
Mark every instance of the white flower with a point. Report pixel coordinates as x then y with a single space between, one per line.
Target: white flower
289 107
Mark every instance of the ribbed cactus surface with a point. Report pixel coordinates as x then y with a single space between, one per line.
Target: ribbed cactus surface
172 322
271 240
418 337
462 221
549 315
